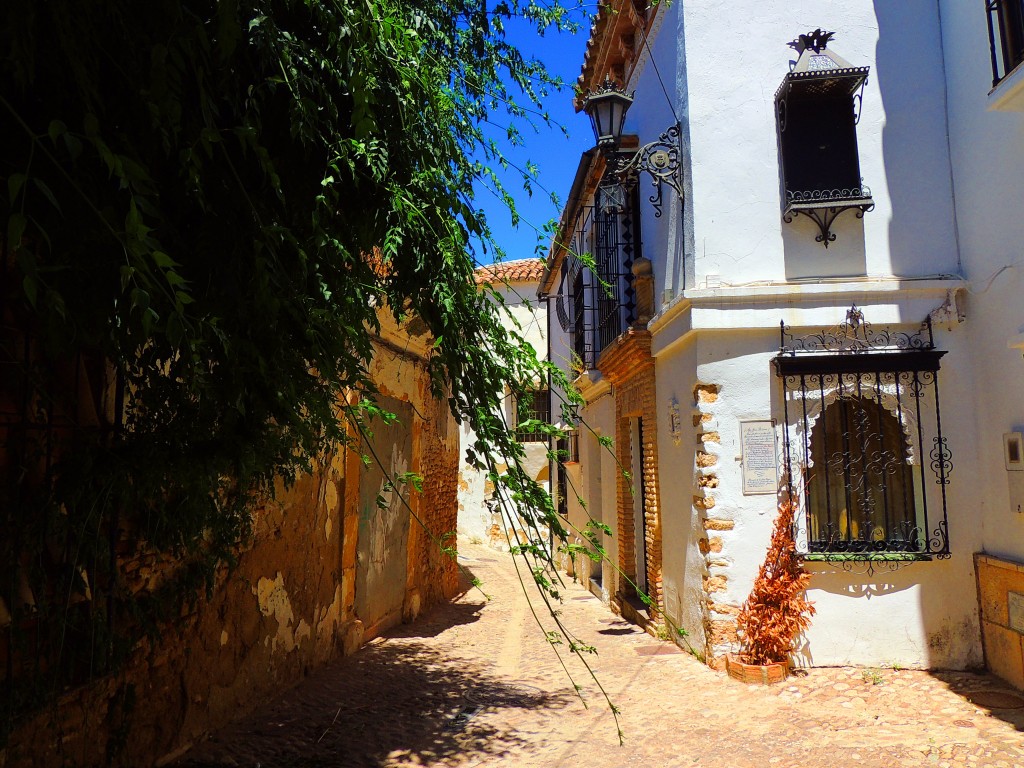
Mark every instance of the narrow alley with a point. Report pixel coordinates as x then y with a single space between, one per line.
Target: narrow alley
474 683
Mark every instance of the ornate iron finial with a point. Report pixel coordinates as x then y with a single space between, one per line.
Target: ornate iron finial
817 41
854 317
605 86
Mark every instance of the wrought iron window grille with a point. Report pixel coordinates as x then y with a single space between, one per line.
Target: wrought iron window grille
562 479
862 444
535 407
1005 36
818 106
596 299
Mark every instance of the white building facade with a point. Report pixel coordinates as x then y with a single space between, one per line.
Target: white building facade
481 518
835 314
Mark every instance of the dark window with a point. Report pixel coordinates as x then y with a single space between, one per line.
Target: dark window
860 482
596 300
1005 35
580 346
817 108
536 406
613 254
819 144
562 491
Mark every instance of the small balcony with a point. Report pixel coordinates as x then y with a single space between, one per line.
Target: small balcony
1006 42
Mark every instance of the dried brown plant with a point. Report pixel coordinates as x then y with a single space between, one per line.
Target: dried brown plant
776 610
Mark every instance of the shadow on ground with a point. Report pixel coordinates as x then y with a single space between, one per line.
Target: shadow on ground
395 702
988 693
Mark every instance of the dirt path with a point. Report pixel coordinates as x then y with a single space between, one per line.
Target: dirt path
476 684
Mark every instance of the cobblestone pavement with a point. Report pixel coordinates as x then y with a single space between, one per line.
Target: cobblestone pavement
475 683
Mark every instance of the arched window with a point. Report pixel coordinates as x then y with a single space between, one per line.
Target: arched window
861 486
863 449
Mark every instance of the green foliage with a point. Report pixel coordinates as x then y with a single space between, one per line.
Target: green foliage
209 209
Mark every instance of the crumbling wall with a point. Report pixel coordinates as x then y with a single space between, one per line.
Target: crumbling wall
286 607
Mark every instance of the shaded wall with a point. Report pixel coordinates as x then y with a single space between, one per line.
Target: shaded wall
287 607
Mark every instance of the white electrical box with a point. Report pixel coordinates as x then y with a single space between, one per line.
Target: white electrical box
1013 458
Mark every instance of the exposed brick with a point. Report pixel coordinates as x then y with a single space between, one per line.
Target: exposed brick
705 459
715 584
709 437
705 393
723 608
707 481
715 524
722 631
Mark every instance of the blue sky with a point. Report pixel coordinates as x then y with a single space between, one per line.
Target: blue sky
555 155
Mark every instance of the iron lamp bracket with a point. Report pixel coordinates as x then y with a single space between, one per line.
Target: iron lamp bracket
660 159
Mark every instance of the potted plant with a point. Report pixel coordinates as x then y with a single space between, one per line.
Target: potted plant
776 610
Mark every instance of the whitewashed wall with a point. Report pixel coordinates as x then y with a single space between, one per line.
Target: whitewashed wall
528 317
723 85
594 480
988 164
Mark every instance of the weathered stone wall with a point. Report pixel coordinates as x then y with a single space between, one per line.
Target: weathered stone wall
285 608
1001 595
720 615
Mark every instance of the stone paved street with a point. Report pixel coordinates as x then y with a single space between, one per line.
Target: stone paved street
475 684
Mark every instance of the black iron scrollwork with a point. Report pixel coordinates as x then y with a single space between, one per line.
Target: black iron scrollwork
856 335
817 41
861 441
823 207
941 460
661 159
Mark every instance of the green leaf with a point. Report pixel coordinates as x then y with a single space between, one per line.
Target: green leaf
139 299
163 261
14 185
47 193
74 146
56 129
15 230
175 329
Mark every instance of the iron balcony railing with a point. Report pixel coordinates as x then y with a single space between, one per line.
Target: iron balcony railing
596 300
1005 36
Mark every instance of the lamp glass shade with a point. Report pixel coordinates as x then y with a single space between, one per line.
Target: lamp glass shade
607 112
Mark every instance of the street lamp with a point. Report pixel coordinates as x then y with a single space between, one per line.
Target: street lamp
606 107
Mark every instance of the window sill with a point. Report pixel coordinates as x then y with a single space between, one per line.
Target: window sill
853 557
1008 94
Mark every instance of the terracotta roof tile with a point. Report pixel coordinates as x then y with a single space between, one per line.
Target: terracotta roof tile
521 271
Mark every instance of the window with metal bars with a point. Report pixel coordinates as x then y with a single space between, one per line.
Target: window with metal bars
860 480
1005 36
596 301
533 408
862 446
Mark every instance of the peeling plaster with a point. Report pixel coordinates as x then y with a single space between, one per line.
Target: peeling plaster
330 616
273 601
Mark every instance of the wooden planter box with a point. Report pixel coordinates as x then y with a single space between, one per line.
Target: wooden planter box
756 674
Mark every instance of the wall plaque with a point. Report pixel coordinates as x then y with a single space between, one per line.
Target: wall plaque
759 457
1016 611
